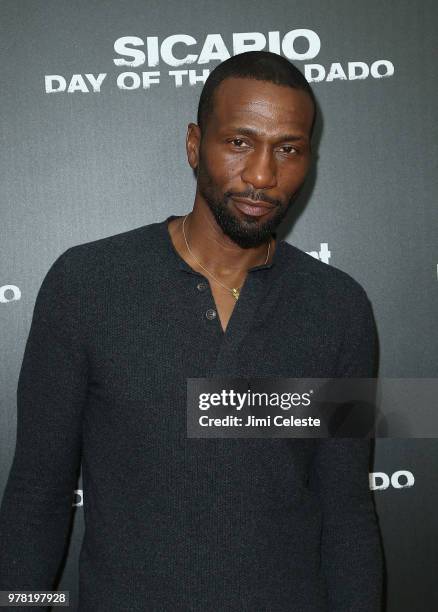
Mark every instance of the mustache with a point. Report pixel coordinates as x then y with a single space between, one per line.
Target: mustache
253 196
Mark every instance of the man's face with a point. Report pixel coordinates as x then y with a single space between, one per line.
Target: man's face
255 145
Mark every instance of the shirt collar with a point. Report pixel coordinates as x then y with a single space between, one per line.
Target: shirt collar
183 265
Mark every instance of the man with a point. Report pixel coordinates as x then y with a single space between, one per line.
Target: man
120 324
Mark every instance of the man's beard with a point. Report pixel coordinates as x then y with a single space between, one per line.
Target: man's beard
250 231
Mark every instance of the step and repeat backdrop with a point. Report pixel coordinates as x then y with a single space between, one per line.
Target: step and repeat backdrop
95 102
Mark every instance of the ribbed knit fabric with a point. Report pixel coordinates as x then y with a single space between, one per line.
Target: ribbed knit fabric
178 524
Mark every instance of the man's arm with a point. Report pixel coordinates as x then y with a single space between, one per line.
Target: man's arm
37 502
351 555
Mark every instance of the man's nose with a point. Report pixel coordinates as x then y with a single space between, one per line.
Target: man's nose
260 170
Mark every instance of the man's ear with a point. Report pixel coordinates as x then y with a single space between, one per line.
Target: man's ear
193 142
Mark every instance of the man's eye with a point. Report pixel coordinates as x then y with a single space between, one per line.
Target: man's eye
290 148
238 142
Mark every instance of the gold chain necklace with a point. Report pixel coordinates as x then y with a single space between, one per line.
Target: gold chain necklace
235 291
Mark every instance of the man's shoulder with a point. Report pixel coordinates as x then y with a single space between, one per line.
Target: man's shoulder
111 259
127 242
320 278
121 249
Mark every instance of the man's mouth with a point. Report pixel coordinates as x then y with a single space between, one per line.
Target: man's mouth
253 208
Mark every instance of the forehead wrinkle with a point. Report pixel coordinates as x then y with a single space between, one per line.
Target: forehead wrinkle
290 111
240 118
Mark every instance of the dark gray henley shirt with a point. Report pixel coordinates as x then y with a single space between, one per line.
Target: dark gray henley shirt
173 523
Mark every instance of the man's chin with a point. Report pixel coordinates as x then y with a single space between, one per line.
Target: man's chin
244 230
248 234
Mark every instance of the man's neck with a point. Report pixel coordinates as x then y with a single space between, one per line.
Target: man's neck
213 249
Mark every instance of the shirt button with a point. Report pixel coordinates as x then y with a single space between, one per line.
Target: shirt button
201 286
210 314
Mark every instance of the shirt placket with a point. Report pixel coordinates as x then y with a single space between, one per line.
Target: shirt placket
247 310
249 307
